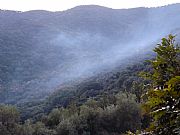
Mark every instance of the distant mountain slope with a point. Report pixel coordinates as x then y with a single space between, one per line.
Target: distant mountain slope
40 50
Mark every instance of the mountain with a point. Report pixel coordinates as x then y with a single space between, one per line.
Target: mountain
41 51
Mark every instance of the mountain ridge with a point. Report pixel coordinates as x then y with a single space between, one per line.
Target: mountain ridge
41 50
91 5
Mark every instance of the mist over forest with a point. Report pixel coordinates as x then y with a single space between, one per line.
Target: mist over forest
41 51
90 70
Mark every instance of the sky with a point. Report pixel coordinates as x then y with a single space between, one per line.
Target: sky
60 5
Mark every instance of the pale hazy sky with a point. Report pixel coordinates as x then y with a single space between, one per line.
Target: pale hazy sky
59 5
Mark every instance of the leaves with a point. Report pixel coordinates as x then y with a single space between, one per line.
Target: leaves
163 99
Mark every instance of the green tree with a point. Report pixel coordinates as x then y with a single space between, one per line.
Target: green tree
54 118
163 99
9 117
120 117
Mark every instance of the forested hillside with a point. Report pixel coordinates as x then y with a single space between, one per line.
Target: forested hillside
90 70
102 85
141 99
41 51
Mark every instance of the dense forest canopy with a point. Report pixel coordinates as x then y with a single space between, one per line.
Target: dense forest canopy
41 50
150 106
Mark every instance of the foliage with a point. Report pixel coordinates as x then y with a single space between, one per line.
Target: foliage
163 101
9 117
92 118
